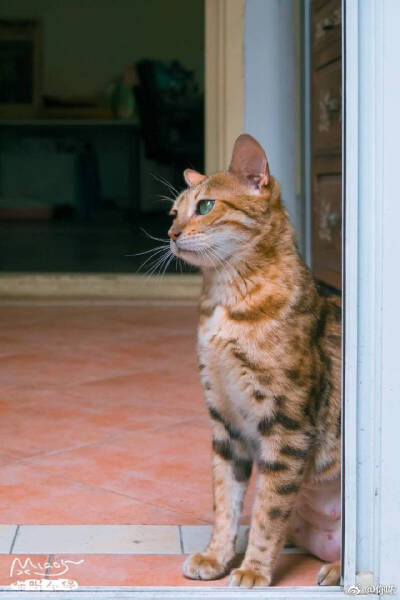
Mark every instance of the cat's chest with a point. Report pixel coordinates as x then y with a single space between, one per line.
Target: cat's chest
218 338
232 381
213 329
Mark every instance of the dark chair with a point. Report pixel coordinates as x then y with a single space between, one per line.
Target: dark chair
171 113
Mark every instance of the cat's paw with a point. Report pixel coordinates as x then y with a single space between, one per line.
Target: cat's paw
329 574
248 578
203 566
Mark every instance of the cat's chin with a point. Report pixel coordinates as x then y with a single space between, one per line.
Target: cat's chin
191 257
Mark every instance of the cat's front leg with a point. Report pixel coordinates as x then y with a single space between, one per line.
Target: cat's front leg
281 471
231 473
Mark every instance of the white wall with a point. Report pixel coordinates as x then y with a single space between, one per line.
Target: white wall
271 51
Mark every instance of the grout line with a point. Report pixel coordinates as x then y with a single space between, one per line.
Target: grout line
112 437
47 453
63 533
48 568
181 539
111 491
14 539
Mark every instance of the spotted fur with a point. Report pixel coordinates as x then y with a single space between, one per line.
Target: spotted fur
269 350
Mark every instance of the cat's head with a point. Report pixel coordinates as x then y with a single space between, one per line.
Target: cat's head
218 217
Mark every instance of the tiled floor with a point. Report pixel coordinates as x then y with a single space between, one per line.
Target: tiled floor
143 570
103 423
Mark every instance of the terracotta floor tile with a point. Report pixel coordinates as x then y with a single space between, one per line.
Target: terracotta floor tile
53 419
10 567
140 570
297 569
103 422
11 344
147 466
30 496
7 458
82 325
180 393
47 369
28 430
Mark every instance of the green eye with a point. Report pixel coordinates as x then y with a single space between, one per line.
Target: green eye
204 206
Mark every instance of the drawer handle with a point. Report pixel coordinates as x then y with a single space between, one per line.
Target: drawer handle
329 222
328 24
329 109
334 220
332 105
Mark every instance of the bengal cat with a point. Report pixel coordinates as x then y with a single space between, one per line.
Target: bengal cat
269 349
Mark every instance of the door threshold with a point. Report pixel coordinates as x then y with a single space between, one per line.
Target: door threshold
102 285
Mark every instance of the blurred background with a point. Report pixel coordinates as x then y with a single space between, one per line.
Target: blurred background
103 103
100 102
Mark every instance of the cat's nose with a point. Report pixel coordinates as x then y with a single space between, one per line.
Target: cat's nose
174 233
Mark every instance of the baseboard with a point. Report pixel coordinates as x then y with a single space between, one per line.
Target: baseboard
80 285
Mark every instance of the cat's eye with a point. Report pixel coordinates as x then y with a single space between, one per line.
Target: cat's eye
204 207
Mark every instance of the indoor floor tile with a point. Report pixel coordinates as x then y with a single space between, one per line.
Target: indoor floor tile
30 496
103 422
139 570
105 539
21 567
7 536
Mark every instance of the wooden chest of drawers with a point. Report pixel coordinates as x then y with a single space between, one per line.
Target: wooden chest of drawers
326 141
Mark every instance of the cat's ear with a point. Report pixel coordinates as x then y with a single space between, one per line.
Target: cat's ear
192 177
250 162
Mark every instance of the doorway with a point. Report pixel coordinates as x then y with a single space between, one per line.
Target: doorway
92 152
123 411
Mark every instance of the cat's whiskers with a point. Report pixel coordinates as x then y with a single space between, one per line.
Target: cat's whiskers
159 263
162 263
148 251
152 237
157 254
165 182
166 198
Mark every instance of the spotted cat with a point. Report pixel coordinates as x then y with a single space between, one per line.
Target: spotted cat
269 347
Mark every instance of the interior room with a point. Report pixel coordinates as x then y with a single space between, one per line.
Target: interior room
102 108
105 445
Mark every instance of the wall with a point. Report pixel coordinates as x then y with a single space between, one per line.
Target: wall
87 43
224 71
272 90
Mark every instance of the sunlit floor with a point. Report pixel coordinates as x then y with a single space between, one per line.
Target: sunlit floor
103 424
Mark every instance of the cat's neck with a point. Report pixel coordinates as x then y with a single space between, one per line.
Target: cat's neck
268 268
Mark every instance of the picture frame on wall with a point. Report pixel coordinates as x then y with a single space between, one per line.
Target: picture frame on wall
20 68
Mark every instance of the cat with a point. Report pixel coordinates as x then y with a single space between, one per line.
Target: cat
269 347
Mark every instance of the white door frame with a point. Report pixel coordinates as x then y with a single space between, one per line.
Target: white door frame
224 80
372 321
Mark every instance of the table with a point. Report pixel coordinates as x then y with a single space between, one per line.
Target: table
84 127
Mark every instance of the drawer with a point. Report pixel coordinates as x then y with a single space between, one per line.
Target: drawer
327 109
326 230
326 32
